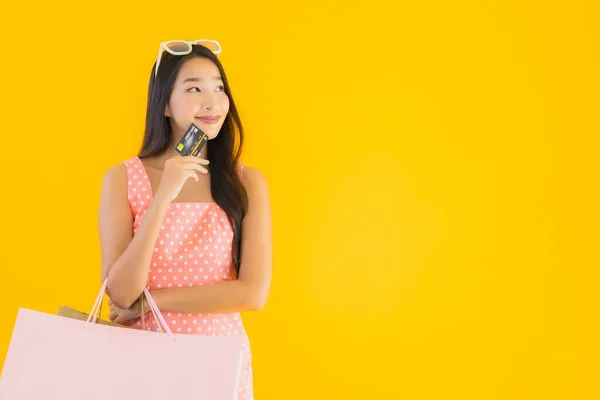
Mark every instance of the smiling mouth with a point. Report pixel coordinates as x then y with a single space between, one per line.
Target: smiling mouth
208 120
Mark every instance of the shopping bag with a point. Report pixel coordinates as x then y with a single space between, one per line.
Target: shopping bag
70 312
56 357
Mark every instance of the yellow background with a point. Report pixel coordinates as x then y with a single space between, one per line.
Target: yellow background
433 171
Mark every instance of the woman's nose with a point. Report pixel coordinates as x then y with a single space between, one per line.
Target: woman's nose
208 103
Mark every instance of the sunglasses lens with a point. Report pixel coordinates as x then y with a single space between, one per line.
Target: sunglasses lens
178 47
210 45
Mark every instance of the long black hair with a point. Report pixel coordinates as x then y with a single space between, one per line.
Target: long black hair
223 152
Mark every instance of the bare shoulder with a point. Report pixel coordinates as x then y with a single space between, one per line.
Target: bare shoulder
115 179
255 182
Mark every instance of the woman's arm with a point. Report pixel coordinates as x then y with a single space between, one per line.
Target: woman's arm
250 291
125 258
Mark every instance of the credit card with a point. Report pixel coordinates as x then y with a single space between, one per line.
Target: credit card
192 141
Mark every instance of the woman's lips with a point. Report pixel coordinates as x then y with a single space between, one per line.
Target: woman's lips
208 120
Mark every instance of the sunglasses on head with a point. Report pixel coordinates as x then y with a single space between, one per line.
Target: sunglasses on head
183 47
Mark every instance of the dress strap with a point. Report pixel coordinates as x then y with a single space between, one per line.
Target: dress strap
139 192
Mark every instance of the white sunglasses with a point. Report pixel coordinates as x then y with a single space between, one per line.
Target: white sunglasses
183 47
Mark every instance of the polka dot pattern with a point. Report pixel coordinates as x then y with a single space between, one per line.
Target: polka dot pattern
193 249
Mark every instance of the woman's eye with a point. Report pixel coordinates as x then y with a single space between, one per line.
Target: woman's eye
194 89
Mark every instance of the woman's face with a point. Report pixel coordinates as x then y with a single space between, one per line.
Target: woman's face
198 97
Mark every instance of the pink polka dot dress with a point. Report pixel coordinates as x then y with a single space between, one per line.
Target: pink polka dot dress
193 249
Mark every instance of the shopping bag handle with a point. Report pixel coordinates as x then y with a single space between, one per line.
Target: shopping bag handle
94 313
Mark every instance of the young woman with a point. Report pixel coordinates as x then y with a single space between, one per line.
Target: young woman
195 230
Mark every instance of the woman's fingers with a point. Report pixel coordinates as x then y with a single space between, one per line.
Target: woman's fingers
196 167
193 159
194 175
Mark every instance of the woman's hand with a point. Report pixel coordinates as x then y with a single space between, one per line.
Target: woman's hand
121 315
178 170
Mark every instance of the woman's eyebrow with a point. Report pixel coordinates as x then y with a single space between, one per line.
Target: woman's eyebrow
196 79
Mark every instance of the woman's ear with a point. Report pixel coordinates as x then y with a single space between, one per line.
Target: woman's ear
167 111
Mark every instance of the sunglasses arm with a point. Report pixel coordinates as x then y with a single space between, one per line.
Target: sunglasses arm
160 49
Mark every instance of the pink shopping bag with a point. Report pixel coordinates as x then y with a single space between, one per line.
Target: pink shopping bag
55 357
